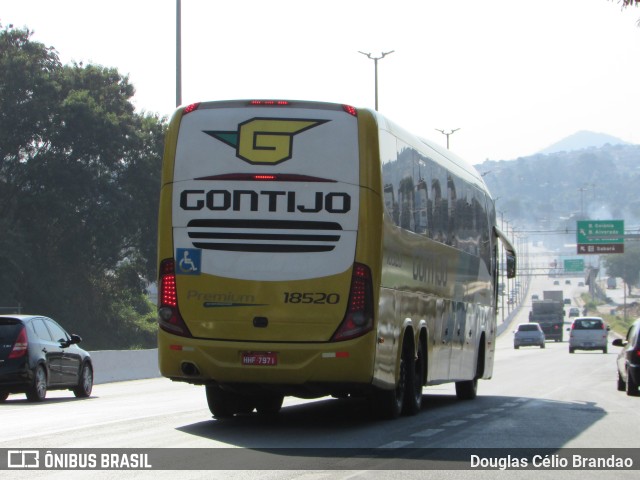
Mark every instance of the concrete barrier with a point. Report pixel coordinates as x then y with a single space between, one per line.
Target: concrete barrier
121 365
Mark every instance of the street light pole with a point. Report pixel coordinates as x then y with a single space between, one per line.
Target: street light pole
375 66
178 53
447 134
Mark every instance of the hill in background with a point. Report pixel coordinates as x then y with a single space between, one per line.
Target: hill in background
545 194
581 140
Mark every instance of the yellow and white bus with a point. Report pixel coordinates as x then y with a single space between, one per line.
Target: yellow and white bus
312 249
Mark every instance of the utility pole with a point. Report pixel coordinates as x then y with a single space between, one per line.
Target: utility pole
375 63
447 134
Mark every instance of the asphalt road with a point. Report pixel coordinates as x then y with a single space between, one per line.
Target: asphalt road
537 399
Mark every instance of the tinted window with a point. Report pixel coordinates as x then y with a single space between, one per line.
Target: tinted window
588 325
9 330
57 333
528 328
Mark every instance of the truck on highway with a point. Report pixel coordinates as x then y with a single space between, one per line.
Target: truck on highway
549 313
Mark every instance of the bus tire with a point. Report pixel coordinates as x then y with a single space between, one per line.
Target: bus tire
413 393
389 404
221 404
467 389
269 405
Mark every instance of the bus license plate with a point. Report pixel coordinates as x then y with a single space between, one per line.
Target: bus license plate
265 359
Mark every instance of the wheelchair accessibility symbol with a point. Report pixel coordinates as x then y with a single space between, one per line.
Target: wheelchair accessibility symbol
188 261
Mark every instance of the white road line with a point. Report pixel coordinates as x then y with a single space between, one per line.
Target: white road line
454 423
396 444
475 416
429 432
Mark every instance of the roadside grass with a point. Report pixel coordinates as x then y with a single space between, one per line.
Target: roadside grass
615 317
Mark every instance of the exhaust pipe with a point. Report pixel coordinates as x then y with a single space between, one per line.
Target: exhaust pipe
189 369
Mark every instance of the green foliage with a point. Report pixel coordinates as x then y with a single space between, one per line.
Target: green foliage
614 319
79 185
625 265
618 324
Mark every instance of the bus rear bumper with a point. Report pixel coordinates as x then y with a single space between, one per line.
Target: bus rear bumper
202 361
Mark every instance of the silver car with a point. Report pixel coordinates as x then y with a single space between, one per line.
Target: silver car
588 333
528 334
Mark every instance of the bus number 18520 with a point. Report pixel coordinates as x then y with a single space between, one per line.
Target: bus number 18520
315 298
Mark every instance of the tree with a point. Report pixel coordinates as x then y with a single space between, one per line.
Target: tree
629 3
625 266
79 185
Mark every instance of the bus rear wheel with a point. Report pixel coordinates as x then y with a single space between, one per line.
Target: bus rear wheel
389 404
222 404
413 393
467 389
269 405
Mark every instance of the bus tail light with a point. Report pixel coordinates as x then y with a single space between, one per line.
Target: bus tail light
359 317
350 110
269 103
169 318
191 108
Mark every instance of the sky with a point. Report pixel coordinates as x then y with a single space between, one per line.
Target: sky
512 76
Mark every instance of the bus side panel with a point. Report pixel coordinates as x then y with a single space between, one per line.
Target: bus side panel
165 221
384 352
428 276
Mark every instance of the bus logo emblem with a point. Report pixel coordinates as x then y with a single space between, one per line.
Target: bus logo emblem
265 141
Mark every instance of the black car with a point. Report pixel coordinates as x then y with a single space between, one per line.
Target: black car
37 354
629 360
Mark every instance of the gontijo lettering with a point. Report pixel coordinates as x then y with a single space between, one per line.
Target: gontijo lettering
265 200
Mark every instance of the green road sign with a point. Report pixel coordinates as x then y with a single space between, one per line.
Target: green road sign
574 265
600 232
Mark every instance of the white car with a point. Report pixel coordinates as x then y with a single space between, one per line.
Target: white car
528 334
588 333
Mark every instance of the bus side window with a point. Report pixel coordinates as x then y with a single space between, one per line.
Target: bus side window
407 196
390 203
452 227
390 165
422 206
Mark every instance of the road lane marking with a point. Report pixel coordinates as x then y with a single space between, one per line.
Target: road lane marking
429 432
454 423
396 444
